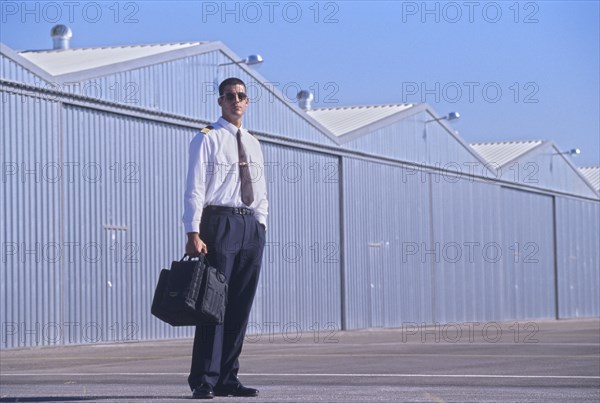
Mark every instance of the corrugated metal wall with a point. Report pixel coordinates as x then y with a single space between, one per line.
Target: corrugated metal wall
578 254
123 209
30 221
100 232
183 86
135 216
300 286
386 214
546 169
422 246
91 210
413 140
527 232
12 71
495 252
469 274
187 87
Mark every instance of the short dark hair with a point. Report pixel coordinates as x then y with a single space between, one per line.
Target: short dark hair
230 81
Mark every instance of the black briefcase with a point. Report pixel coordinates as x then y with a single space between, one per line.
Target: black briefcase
191 293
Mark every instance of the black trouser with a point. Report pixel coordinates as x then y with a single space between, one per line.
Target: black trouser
235 246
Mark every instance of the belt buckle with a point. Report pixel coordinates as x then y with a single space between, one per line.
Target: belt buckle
241 210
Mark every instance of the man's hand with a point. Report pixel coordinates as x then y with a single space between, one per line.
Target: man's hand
194 245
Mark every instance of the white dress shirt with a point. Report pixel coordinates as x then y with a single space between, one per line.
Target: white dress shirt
213 177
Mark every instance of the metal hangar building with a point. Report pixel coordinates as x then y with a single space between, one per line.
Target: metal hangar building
380 215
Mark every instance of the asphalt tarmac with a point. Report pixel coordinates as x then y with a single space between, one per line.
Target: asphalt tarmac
521 361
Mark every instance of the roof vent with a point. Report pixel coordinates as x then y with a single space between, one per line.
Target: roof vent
304 98
61 35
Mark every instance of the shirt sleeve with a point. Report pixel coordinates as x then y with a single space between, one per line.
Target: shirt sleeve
195 185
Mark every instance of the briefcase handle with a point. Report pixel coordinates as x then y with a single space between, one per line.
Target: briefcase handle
201 256
194 257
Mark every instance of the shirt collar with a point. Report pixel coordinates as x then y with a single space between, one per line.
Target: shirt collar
229 126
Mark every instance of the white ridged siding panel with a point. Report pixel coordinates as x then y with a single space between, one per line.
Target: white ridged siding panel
300 286
9 70
527 232
123 208
91 208
494 252
414 141
179 86
386 213
187 87
578 254
548 170
467 233
30 222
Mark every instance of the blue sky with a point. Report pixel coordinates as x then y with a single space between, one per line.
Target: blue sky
514 70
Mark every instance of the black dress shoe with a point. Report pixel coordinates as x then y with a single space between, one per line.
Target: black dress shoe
204 391
238 390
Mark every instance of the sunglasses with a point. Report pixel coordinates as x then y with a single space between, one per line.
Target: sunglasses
232 96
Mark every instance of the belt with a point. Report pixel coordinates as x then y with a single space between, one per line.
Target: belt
230 210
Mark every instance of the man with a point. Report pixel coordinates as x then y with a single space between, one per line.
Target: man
225 218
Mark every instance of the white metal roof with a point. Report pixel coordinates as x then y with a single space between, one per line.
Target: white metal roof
58 62
592 174
502 153
346 119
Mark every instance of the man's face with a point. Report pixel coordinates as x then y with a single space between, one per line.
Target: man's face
232 108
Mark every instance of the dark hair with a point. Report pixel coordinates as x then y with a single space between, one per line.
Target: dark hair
230 81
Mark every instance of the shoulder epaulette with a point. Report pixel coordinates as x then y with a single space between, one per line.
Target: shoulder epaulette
206 130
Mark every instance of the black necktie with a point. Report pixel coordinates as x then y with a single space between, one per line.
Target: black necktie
247 194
